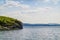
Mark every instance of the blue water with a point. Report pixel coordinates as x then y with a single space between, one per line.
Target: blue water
32 33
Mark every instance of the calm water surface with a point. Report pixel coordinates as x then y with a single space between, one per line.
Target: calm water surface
31 34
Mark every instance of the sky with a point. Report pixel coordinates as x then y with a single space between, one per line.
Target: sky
32 11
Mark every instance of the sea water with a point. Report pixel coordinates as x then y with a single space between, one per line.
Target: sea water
32 33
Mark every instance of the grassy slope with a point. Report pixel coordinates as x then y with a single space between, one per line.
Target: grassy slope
7 23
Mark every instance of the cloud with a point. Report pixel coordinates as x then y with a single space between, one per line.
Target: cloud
11 3
30 15
46 0
17 4
55 1
42 15
49 1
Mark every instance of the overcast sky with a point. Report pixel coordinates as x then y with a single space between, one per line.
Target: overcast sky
32 11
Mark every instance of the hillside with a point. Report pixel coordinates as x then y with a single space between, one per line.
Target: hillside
7 23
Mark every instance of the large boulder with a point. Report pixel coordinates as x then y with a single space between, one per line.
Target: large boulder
7 23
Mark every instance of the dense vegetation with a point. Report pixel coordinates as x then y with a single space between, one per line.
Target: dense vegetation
7 23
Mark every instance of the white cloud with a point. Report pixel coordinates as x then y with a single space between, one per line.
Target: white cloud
31 15
55 1
42 15
10 3
46 0
49 1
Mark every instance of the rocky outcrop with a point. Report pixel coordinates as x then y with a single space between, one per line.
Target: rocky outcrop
7 23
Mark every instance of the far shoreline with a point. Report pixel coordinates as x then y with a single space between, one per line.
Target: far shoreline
27 24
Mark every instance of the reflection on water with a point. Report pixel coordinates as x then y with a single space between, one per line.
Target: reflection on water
31 34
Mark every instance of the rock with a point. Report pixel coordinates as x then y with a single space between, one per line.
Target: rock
7 23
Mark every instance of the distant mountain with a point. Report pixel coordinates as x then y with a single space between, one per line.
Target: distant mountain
27 24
